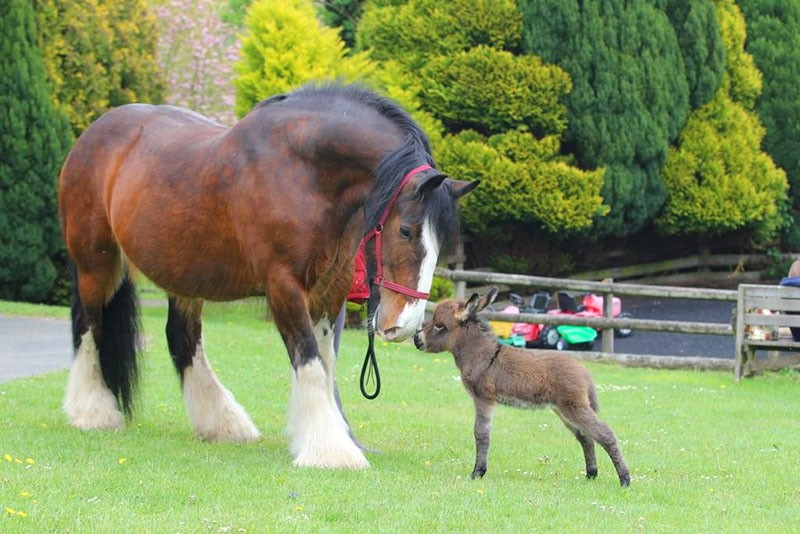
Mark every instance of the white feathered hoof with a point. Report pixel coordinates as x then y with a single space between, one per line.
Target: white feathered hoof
319 435
88 403
212 409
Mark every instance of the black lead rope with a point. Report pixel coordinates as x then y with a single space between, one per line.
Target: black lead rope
369 371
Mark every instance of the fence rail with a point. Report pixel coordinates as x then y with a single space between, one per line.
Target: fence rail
608 323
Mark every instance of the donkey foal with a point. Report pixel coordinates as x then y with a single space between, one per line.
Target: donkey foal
494 373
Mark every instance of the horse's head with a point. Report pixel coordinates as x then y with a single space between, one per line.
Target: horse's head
417 225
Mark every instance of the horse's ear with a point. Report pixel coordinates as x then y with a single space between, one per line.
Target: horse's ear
426 185
461 187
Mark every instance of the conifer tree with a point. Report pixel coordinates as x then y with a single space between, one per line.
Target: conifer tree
98 54
773 38
34 139
630 95
502 112
718 179
287 46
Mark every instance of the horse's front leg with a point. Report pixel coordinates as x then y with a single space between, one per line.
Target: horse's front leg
319 435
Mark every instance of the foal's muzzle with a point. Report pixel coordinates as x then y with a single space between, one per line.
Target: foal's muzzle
418 342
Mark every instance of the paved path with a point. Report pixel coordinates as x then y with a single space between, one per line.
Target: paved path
670 344
31 346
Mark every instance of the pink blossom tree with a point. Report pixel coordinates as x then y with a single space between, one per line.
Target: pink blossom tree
197 51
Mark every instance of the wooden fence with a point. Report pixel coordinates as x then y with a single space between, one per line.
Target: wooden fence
608 289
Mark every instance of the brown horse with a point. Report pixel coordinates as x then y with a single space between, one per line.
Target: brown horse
276 206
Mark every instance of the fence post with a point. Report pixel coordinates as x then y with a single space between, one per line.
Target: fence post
608 313
461 285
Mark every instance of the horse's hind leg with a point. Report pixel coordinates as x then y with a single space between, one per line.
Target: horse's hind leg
214 413
105 328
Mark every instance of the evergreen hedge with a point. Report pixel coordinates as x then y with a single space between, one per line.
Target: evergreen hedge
34 139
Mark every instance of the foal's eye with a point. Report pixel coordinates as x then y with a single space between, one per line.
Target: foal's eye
405 232
438 328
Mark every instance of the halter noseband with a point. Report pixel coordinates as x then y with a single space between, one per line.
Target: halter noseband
377 233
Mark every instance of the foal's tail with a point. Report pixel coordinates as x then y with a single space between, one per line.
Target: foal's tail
117 339
593 399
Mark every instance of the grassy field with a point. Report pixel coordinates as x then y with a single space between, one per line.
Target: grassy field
706 455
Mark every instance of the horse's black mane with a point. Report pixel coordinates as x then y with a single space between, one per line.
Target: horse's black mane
440 205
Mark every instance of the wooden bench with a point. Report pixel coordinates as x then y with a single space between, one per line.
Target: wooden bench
751 299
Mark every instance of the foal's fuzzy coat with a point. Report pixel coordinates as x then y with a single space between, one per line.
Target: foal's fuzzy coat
494 373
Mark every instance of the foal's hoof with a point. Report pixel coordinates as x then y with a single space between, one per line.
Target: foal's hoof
478 473
625 480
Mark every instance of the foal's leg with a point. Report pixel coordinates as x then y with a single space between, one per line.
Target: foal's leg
587 422
214 413
483 430
319 435
587 444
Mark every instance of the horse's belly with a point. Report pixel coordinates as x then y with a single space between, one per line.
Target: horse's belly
203 280
190 264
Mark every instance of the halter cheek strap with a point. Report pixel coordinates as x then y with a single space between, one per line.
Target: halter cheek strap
369 371
377 234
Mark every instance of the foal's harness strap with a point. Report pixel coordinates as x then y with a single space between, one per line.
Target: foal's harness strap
377 233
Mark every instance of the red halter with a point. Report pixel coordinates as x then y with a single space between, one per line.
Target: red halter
377 232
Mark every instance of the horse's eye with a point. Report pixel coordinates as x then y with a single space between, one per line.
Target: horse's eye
438 328
405 232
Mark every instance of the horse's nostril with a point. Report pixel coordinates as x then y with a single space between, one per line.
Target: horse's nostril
390 333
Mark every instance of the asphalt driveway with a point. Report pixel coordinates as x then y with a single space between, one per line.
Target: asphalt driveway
31 346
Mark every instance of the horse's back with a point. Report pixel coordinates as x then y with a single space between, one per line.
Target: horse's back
131 179
132 130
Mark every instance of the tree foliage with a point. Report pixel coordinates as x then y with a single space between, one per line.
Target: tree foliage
502 111
413 32
342 14
287 46
197 51
773 39
523 180
34 138
630 95
696 26
98 54
719 180
490 90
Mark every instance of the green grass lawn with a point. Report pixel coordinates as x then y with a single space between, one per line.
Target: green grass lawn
706 455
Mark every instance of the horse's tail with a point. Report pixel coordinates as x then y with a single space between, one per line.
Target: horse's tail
119 342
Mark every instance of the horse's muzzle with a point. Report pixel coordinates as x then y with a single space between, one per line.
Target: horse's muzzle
418 342
394 334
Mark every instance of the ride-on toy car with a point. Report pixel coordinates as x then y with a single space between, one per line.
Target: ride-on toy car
533 335
592 306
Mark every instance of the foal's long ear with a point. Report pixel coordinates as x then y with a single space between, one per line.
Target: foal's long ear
469 308
426 185
484 300
461 188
